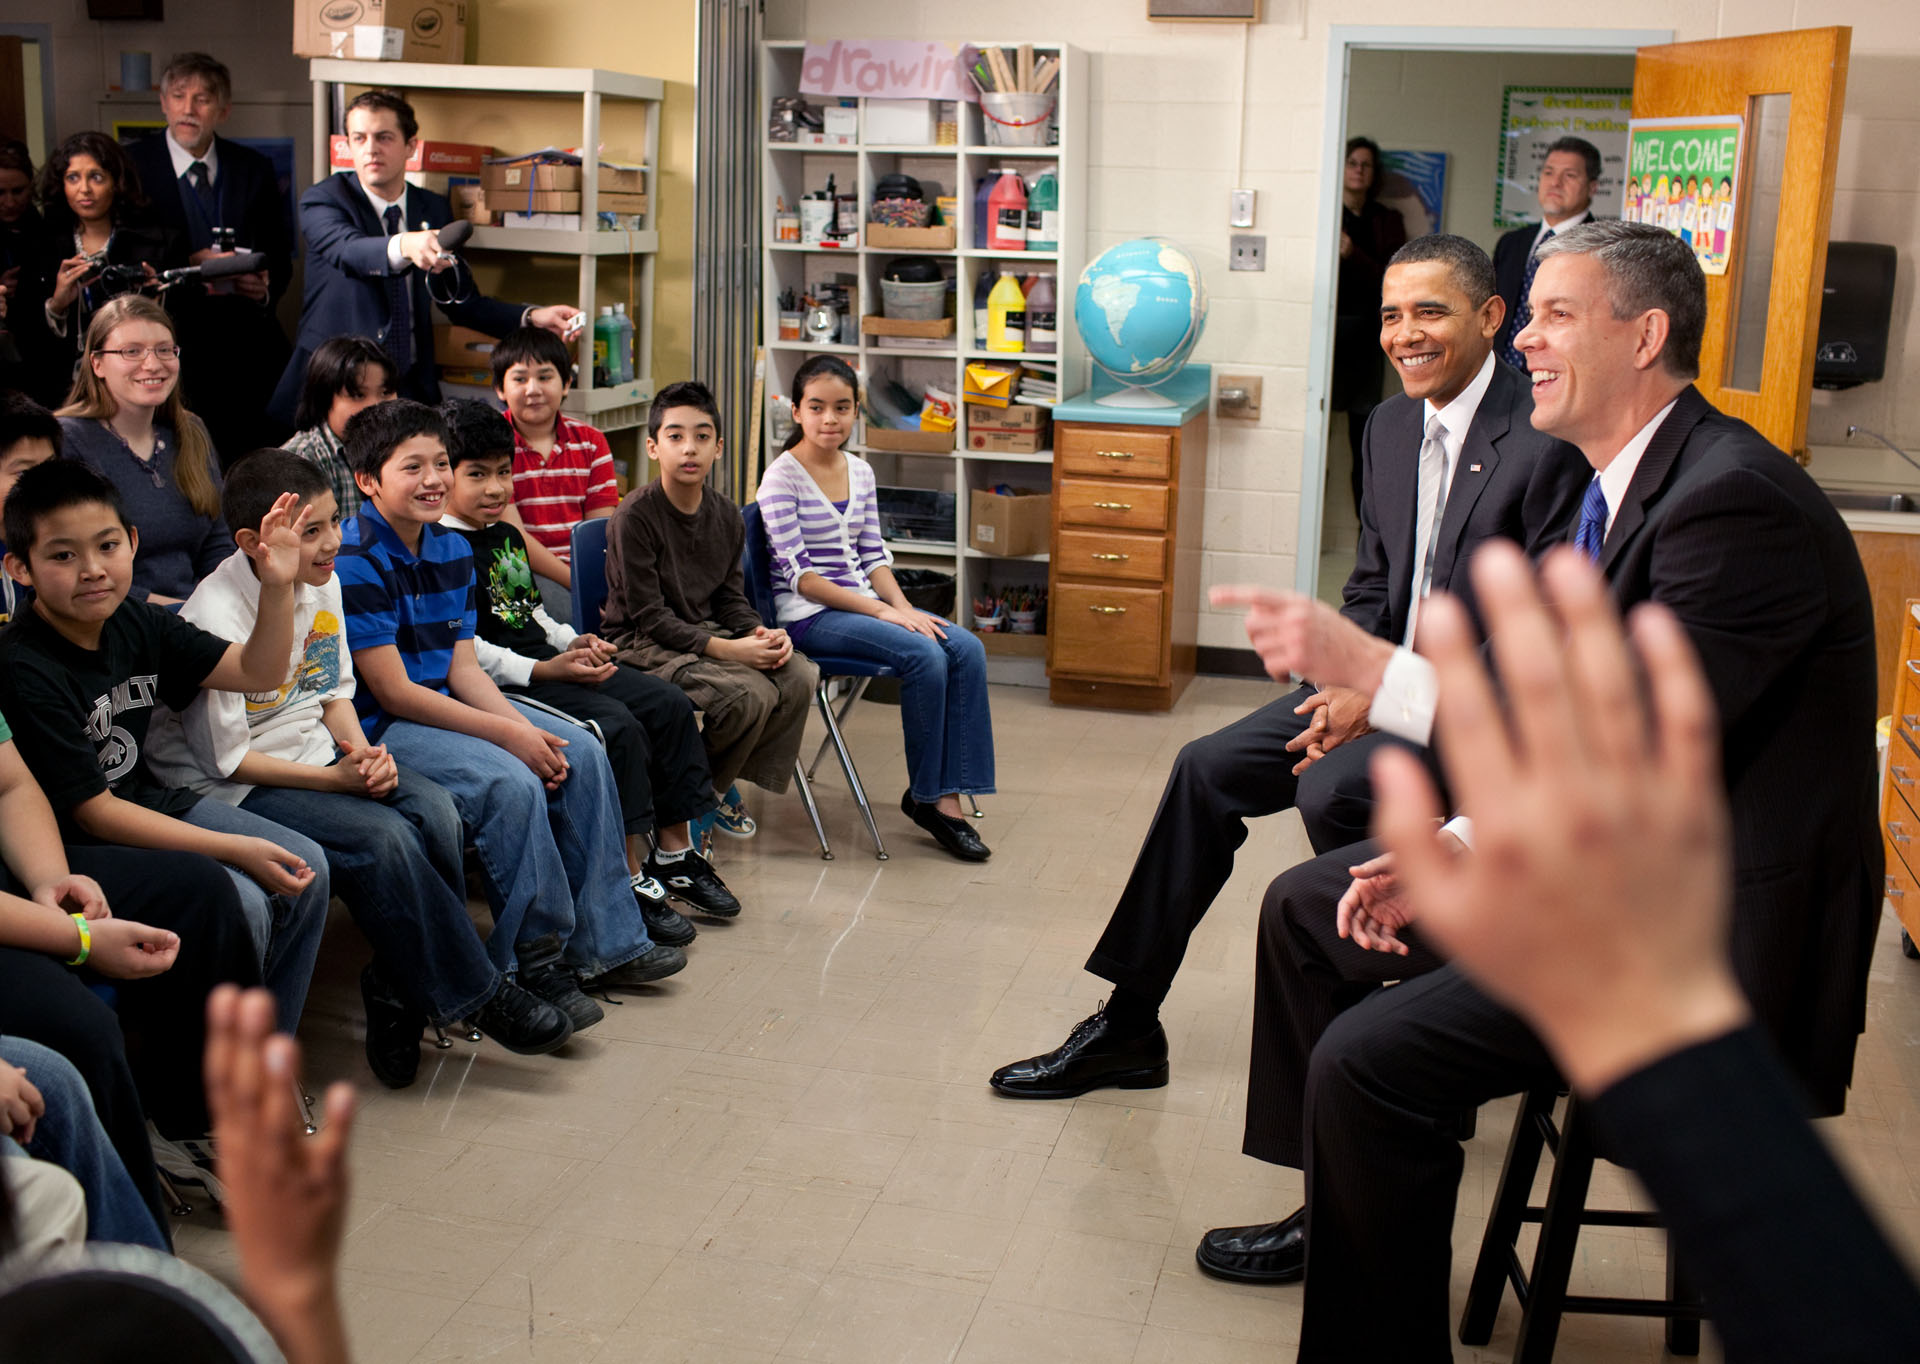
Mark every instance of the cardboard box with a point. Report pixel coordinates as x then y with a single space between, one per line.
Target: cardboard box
433 158
934 328
507 177
910 238
909 442
562 201
463 348
1005 442
381 30
989 383
1010 525
469 201
1012 417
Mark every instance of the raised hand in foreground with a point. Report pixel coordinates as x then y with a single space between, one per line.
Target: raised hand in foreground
286 1191
1595 901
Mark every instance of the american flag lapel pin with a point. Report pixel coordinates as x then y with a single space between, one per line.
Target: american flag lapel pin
1473 468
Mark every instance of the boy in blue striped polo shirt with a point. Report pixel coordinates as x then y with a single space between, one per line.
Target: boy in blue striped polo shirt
408 589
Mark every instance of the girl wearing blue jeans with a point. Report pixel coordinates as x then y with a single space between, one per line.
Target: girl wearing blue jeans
835 594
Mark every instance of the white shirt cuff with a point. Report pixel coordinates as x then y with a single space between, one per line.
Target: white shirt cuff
504 666
1461 827
1404 704
396 258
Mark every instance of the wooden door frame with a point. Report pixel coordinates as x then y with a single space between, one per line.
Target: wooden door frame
1343 40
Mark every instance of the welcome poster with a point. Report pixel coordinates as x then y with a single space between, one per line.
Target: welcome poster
1683 174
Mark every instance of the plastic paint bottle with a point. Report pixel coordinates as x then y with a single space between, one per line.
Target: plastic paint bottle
982 213
1043 213
606 339
1006 315
1042 338
1007 206
981 290
623 352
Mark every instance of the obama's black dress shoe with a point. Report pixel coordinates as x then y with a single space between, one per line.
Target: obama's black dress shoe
1273 1252
1092 1057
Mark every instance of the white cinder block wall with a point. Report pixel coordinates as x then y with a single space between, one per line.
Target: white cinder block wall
1162 147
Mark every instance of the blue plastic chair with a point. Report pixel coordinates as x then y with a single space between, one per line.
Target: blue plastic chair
589 541
756 567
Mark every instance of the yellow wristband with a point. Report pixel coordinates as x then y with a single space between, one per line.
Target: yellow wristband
86 939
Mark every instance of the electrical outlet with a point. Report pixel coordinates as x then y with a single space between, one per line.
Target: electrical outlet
1240 208
1238 397
1249 252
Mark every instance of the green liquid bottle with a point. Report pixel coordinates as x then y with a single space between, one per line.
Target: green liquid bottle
1043 213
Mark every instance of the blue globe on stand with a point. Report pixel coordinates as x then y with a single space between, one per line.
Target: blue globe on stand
1140 307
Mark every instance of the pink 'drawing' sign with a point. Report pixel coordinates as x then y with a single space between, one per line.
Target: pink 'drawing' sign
888 68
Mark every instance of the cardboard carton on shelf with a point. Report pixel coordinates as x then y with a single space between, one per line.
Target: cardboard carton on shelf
509 177
469 201
875 325
908 442
1016 429
1012 645
429 157
381 30
463 348
1009 526
939 238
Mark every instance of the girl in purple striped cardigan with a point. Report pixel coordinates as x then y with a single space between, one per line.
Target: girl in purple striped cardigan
836 595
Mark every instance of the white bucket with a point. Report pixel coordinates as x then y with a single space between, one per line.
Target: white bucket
1018 119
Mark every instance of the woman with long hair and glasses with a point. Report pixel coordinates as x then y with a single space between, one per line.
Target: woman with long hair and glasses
124 418
96 218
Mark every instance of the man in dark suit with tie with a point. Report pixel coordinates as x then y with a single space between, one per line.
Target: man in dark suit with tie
1568 174
1450 462
1688 508
202 185
367 270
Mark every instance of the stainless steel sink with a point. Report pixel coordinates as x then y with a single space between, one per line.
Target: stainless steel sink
1861 499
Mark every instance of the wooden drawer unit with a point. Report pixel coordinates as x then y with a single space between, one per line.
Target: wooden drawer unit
1106 453
1124 576
1899 824
1100 631
1123 506
1107 554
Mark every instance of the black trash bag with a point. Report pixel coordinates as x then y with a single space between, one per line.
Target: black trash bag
927 588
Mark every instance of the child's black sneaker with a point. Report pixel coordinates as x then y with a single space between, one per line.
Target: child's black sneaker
691 879
545 975
522 1022
664 923
393 1032
656 963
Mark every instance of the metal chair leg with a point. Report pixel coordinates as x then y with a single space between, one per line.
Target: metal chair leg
857 688
440 1039
978 813
176 1205
813 809
846 765
305 1100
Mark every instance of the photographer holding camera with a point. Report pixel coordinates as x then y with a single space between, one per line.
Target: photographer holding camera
101 240
218 196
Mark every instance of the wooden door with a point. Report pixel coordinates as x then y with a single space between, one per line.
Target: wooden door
1763 315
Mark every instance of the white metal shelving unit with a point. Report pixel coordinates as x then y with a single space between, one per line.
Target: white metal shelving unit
790 169
610 408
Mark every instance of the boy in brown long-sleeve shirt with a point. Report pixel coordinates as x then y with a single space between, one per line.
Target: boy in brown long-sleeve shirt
677 606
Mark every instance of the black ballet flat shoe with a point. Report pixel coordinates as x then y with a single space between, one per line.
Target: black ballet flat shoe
955 835
1272 1252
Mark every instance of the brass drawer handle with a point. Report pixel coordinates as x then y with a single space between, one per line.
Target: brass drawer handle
1111 558
1114 454
1108 610
1892 824
1114 506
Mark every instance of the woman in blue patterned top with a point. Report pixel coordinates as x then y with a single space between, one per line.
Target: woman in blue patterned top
836 594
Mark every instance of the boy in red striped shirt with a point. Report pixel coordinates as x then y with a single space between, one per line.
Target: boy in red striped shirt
562 469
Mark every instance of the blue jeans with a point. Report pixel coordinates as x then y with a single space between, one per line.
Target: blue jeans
943 696
552 861
286 928
69 1135
396 862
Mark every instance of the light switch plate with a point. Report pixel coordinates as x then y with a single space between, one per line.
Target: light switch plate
1249 252
1247 407
1240 208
